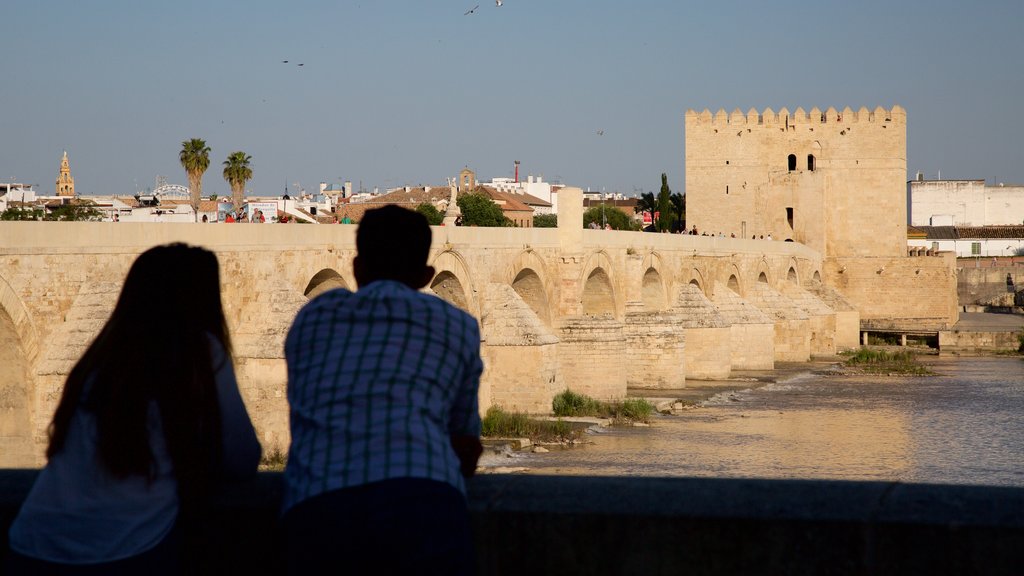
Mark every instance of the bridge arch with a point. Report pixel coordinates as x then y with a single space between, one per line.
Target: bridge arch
528 277
598 296
764 273
21 320
698 278
653 289
733 284
452 281
322 281
816 278
791 276
731 276
18 348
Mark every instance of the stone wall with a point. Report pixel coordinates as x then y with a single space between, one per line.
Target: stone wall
903 292
566 322
526 524
977 342
979 286
821 178
655 351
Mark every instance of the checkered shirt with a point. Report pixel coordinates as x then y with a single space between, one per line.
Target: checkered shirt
378 381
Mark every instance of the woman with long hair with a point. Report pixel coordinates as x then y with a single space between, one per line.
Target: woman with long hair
149 422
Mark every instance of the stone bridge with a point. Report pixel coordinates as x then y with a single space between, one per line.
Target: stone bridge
589 310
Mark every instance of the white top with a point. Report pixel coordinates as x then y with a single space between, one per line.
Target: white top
79 513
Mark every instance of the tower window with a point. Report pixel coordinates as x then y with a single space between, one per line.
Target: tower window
792 162
810 162
789 217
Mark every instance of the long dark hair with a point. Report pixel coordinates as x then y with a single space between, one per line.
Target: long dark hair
155 348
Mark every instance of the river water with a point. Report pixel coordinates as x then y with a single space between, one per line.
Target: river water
965 426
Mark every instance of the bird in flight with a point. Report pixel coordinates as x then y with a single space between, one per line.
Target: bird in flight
600 132
471 10
284 61
301 64
498 3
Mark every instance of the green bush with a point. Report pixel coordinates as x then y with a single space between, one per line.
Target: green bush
570 403
883 362
637 409
498 423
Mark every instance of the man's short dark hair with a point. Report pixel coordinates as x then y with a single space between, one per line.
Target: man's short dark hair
393 242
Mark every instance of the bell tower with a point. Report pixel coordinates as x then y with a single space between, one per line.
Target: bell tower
65 183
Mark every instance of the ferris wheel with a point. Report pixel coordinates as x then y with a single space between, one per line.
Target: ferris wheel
172 191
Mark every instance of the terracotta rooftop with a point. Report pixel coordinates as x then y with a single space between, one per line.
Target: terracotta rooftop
969 232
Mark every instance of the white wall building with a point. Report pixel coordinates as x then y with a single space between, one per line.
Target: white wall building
963 203
534 186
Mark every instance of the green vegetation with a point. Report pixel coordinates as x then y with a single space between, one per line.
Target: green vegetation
16 213
479 210
883 362
434 216
545 221
679 211
498 423
1020 340
195 159
664 205
571 403
604 213
237 172
646 203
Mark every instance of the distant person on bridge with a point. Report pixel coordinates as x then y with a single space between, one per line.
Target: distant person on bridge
382 385
150 421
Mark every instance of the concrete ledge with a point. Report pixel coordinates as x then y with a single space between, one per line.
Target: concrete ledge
588 525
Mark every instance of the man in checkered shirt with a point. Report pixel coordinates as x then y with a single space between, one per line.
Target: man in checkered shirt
382 385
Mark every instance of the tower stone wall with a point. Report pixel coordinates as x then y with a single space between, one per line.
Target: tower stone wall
832 180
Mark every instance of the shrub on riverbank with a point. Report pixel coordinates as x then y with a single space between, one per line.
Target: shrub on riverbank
883 362
498 423
571 403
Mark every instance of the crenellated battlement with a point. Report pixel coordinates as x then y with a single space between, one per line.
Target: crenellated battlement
768 117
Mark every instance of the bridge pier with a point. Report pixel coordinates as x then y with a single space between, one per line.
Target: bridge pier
591 356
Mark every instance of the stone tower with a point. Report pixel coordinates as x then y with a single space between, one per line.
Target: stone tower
835 181
467 180
65 183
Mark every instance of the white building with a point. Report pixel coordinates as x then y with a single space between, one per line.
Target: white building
963 203
532 186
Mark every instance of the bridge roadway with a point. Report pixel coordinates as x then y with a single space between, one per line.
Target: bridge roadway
592 310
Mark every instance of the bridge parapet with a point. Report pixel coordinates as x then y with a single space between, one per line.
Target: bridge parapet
588 525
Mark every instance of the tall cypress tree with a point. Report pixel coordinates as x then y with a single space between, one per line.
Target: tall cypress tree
664 205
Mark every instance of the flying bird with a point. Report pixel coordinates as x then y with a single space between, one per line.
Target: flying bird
471 10
600 132
498 3
301 64
284 61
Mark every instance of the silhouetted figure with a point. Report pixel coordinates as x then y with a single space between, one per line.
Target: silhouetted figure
382 385
149 422
1009 283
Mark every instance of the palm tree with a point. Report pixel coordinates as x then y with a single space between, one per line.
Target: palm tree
195 159
679 207
237 172
646 203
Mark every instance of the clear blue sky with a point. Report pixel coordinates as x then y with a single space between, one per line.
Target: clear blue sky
409 92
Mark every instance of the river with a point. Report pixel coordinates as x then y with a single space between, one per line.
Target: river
964 426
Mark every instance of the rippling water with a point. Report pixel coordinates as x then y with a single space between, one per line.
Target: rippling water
965 426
